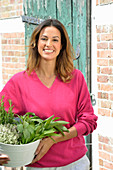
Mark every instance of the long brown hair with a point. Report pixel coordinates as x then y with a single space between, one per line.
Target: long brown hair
64 62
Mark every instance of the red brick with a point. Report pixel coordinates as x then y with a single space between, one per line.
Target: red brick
5 76
104 112
4 53
97 3
111 97
111 141
4 41
100 146
106 70
111 158
98 37
12 1
102 79
102 168
108 165
102 62
105 54
107 37
105 2
102 95
111 62
106 87
10 41
21 59
111 28
15 59
103 139
7 59
10 53
106 104
108 148
101 162
104 155
98 53
111 45
102 45
98 70
111 79
98 29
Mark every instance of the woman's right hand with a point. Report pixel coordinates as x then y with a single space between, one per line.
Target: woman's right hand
4 159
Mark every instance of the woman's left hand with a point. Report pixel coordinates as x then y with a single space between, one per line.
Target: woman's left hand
44 145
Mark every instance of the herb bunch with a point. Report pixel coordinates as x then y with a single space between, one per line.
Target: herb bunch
29 127
4 116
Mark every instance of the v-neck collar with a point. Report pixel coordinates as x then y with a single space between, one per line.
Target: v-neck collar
35 76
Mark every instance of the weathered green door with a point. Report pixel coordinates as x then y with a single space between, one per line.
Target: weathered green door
75 15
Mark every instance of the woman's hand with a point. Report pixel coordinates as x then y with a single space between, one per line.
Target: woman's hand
47 143
4 159
44 145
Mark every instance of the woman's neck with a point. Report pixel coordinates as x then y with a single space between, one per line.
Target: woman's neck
46 69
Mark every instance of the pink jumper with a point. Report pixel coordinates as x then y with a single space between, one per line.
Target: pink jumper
69 101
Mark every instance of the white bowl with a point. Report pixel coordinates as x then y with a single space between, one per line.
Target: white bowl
19 155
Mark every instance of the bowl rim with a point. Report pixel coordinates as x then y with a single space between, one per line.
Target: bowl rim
6 144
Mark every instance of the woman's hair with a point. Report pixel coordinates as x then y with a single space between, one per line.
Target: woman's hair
64 62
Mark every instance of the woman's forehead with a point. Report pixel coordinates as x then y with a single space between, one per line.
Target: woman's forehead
50 30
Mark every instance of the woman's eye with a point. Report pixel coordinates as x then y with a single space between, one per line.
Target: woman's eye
44 39
55 40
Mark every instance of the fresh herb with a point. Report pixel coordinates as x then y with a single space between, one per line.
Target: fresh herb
4 116
29 127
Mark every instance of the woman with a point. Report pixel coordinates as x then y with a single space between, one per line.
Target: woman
3 159
51 85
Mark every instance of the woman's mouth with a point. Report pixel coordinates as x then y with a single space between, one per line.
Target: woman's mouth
48 51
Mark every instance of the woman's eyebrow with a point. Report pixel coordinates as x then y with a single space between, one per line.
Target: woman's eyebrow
44 36
47 36
55 36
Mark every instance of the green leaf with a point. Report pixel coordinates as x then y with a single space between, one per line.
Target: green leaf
59 130
49 131
20 128
30 114
64 129
25 124
31 129
56 118
26 134
49 118
61 122
37 120
48 121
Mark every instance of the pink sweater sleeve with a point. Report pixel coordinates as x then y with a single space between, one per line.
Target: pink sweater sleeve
11 91
86 119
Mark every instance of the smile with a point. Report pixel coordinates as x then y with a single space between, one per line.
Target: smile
48 51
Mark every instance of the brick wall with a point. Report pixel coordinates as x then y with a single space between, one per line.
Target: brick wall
104 34
12 42
13 54
105 69
11 8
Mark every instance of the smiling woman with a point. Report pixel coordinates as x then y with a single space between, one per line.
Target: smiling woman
49 43
51 35
50 85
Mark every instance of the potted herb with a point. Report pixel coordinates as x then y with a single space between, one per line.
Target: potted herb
20 136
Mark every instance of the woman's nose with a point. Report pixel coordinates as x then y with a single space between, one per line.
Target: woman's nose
49 43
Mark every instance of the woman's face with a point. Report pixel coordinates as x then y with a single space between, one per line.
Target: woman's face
49 43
